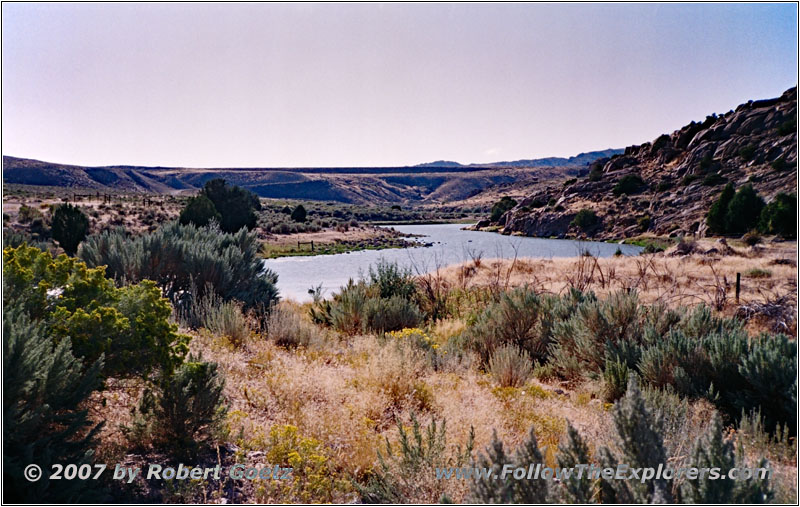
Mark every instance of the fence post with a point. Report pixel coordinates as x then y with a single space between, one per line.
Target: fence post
738 286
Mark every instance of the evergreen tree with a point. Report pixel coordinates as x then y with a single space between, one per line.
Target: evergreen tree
744 211
501 206
43 388
716 215
199 211
780 216
235 205
70 227
299 214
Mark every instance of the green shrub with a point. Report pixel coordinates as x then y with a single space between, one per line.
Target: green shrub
391 314
501 206
44 419
780 216
510 366
744 210
235 205
758 273
747 152
499 488
347 308
663 186
788 127
585 219
716 215
644 222
752 238
70 227
779 164
407 474
707 161
299 214
628 184
288 329
185 261
519 318
596 330
640 445
224 318
389 279
570 181
28 214
713 179
689 179
199 211
185 411
712 450
128 325
615 379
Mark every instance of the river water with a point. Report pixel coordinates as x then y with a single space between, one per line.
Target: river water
449 244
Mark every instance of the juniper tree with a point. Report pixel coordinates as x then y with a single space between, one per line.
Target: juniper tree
43 388
199 211
70 227
184 410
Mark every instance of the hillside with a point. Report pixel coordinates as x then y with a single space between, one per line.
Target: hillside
437 182
673 180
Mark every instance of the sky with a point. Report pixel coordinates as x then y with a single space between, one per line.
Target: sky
301 85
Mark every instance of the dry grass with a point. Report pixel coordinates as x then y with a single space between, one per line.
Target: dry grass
673 280
349 393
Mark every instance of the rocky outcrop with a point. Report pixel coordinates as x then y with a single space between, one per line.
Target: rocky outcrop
666 186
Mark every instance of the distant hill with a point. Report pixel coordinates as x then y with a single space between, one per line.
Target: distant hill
441 181
674 179
577 160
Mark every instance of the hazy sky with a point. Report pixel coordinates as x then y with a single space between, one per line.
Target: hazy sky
376 84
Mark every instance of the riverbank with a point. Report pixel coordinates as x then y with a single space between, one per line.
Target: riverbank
335 241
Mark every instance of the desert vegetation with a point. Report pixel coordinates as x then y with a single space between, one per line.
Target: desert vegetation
145 356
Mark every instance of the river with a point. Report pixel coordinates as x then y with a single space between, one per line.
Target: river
450 245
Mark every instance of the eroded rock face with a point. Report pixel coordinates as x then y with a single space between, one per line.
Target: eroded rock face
683 174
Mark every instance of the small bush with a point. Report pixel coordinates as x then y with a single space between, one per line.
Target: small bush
758 273
519 318
225 319
407 471
747 152
663 186
186 409
713 179
501 206
615 380
752 238
391 314
347 308
628 184
644 222
788 127
510 366
390 280
288 329
585 219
